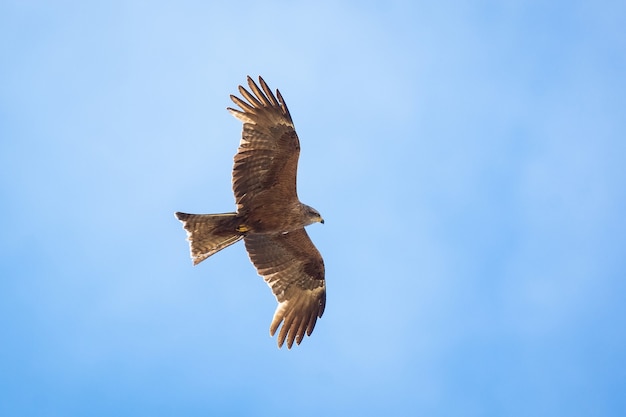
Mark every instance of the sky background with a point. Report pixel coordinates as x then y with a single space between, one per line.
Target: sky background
468 158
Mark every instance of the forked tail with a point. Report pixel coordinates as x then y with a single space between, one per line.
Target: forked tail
209 233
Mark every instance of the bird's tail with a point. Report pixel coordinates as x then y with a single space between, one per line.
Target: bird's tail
209 233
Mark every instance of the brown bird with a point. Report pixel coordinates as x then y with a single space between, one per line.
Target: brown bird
269 218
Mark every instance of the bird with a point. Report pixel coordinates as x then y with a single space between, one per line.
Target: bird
269 217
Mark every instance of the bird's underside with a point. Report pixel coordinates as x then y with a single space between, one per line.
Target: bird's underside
269 217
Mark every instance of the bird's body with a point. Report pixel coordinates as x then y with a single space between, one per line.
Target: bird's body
269 217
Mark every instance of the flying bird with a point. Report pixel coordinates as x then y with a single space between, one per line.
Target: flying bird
269 216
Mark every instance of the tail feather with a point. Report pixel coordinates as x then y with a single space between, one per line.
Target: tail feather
209 233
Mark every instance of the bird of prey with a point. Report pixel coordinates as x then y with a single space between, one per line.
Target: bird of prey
269 218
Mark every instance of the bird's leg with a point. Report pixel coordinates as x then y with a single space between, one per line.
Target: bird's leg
242 228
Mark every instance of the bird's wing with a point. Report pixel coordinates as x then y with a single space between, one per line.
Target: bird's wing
268 152
293 268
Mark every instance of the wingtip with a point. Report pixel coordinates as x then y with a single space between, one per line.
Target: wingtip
250 81
280 340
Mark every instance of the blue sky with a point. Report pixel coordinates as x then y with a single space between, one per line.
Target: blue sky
468 158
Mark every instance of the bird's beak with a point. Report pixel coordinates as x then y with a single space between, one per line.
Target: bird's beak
321 220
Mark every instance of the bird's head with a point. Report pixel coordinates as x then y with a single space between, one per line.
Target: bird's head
312 215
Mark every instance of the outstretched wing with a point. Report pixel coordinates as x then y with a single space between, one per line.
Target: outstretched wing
293 268
268 151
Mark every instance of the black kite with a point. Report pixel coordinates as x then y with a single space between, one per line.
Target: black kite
269 218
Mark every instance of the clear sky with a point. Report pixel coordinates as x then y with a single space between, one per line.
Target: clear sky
469 158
